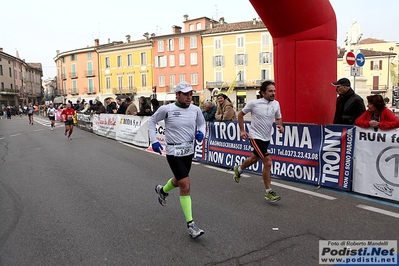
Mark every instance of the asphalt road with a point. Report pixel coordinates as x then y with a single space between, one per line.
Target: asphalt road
91 201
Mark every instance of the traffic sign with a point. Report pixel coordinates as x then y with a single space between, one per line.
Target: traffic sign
355 71
350 58
360 59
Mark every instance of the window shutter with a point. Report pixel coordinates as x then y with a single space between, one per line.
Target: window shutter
222 58
235 59
371 65
156 61
380 65
260 58
213 61
245 59
271 57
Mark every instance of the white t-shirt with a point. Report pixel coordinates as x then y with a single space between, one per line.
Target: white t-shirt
263 113
51 111
181 125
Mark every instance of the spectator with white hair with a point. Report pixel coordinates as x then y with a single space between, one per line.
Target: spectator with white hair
209 110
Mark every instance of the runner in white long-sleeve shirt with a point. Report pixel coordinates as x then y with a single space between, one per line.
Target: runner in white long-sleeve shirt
185 124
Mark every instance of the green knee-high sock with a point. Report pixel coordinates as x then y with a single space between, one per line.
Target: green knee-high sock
169 186
185 202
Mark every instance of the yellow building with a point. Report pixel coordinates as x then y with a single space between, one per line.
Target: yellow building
241 51
126 69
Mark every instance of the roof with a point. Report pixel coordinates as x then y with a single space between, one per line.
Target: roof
37 66
371 41
366 53
237 26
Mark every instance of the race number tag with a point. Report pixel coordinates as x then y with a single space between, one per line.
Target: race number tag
183 149
70 117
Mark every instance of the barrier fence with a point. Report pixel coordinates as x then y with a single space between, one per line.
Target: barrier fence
347 158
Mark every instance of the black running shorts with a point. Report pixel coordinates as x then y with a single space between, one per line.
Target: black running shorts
180 166
260 147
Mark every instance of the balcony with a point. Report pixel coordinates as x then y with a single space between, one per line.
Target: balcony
239 83
73 75
9 92
63 76
89 90
125 90
73 92
90 73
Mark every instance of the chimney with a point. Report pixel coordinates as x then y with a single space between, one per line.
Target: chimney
211 24
57 51
96 42
185 17
176 29
109 40
152 35
221 21
146 35
1 49
128 38
254 21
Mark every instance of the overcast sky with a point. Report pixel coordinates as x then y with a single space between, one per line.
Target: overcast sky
37 29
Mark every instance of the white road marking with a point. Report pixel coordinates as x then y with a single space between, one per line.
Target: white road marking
15 135
2 138
377 210
316 194
38 130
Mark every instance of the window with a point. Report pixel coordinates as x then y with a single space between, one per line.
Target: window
160 46
241 100
376 65
182 61
2 86
160 61
120 83
193 42
172 80
89 55
193 59
265 74
198 25
143 80
240 76
194 78
108 83
265 58
143 59
89 68
64 88
130 82
171 45
240 42
119 61
9 71
73 57
1 70
182 77
172 60
218 61
240 59
90 86
73 74
161 81
107 62
218 44
129 60
191 27
74 87
181 43
218 76
265 39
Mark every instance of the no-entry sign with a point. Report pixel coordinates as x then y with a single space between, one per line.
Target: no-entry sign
350 58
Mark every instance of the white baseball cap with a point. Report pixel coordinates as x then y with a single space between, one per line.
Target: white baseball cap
184 87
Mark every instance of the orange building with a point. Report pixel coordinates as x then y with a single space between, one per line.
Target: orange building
178 57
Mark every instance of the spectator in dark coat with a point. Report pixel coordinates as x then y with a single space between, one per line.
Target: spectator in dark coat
145 108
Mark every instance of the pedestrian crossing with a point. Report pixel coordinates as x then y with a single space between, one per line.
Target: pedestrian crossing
46 122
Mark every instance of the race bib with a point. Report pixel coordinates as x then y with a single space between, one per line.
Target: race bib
183 149
70 117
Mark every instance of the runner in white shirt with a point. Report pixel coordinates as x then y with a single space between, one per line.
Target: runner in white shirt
51 115
264 112
184 123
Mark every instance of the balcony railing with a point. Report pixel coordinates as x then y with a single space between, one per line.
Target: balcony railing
73 75
9 91
63 76
125 90
90 73
239 83
90 90
73 92
377 87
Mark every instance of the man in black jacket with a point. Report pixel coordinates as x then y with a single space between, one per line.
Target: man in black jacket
122 106
349 105
145 108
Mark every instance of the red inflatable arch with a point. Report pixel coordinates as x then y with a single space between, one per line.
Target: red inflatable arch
305 57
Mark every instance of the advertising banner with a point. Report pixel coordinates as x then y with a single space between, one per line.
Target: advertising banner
105 125
337 156
376 163
132 129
